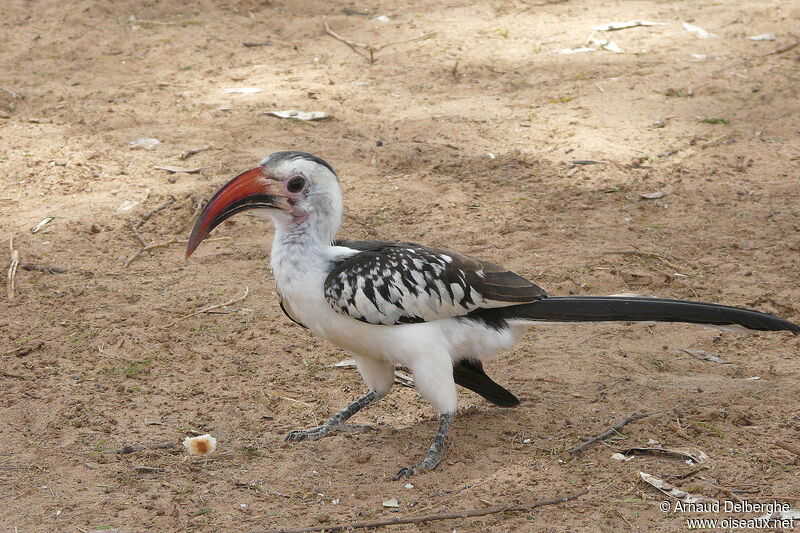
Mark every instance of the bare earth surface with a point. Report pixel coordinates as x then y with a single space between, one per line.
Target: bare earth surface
480 124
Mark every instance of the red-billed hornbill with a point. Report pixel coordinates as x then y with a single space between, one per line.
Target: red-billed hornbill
439 313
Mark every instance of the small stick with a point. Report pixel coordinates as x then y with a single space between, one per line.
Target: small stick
626 520
434 517
189 153
783 49
147 469
163 206
176 170
210 308
130 449
140 251
194 216
5 374
368 47
48 269
14 95
12 269
604 435
690 473
295 401
138 236
354 46
22 349
198 208
156 22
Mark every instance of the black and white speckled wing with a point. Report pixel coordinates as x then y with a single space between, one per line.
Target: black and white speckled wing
399 283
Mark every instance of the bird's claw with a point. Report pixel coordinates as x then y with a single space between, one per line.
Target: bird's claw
306 434
320 431
408 471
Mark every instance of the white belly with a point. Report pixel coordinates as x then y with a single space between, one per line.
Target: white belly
400 344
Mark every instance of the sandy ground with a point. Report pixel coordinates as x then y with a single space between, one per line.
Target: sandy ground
479 126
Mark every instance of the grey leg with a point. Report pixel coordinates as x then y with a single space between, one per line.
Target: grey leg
435 452
336 422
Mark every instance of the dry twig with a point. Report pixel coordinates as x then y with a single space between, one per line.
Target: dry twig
138 236
23 350
179 170
49 269
140 251
130 449
198 208
780 50
434 517
15 96
149 215
165 244
210 308
189 153
371 49
12 269
783 49
604 435
142 469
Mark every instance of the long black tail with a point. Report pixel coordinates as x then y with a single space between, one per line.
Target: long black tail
637 309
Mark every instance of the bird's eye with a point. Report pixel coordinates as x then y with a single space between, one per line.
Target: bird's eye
296 184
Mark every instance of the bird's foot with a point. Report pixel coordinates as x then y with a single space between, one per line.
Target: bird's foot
435 452
323 430
429 463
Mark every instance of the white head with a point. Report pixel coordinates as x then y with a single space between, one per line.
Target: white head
298 191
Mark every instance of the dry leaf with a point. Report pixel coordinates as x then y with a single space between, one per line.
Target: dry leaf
697 30
620 457
673 492
145 143
42 223
653 195
679 454
298 115
605 44
126 206
391 503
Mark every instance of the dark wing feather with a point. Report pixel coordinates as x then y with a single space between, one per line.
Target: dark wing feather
395 283
470 374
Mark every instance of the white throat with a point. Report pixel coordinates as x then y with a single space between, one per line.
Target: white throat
301 250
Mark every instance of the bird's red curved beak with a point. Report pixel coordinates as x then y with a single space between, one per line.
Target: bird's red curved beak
252 189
